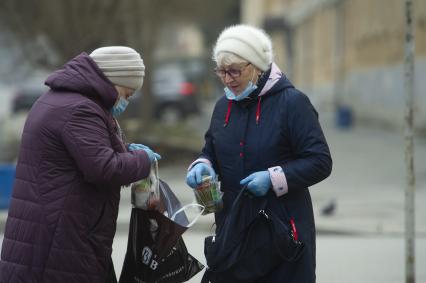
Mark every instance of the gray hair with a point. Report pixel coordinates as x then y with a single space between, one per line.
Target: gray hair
228 58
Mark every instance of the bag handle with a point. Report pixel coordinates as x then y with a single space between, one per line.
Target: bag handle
183 208
236 204
240 195
238 200
156 168
155 179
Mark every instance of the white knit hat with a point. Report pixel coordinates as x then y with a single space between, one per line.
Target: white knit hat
122 65
248 42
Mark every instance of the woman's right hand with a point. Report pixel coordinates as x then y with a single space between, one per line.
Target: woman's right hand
194 178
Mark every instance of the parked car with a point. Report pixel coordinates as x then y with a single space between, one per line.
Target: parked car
19 103
175 93
25 97
176 89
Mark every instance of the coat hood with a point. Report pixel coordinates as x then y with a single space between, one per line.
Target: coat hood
273 80
82 75
282 84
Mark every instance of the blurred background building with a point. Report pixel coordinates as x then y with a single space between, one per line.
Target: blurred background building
174 38
347 54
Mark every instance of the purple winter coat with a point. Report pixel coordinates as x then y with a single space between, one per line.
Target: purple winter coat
64 206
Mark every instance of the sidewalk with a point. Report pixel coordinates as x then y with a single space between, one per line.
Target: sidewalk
366 185
368 182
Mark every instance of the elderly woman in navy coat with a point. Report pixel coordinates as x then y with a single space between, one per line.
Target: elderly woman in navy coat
72 163
264 135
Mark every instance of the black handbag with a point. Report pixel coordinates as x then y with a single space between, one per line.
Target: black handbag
249 245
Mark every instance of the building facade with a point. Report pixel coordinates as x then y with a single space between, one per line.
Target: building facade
347 53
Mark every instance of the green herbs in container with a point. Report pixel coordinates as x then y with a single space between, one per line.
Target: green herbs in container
209 195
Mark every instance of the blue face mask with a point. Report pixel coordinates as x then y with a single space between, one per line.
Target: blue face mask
246 92
119 107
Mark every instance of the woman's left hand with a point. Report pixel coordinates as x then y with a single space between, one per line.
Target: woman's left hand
136 146
258 183
151 154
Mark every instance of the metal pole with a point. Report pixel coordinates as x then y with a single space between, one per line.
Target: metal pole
409 147
339 62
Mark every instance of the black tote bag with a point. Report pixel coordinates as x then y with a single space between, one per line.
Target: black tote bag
251 243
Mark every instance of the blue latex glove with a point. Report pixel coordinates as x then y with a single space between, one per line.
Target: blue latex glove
151 154
137 146
195 175
258 183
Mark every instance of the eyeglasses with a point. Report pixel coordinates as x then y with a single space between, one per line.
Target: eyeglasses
232 72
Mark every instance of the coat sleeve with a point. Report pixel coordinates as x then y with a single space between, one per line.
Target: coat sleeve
312 162
208 149
87 140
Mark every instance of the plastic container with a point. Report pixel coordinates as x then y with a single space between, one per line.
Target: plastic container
208 194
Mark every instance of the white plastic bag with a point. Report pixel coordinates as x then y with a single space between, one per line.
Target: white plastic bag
153 194
146 192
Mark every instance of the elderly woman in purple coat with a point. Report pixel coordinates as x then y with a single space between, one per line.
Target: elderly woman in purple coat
72 164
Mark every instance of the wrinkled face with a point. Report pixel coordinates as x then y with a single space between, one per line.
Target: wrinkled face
237 76
124 92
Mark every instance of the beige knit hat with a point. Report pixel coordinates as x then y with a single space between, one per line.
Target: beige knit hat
248 42
122 65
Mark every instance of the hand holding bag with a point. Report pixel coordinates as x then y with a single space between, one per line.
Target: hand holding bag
250 244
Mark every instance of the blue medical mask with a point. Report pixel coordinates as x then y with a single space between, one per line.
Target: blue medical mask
119 107
246 92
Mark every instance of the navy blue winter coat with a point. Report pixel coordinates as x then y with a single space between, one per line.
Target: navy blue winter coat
72 163
279 128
